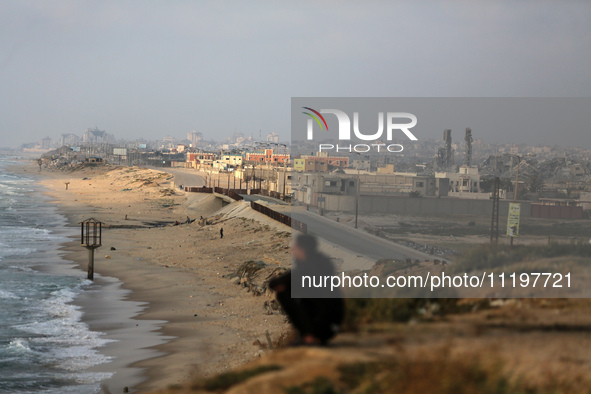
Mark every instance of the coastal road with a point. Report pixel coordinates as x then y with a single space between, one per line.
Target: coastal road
185 177
355 240
269 200
341 235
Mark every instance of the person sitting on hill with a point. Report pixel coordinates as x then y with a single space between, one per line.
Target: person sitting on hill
318 319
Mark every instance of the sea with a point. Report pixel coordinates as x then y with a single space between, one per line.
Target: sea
45 347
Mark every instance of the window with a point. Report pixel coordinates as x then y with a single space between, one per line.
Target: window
420 184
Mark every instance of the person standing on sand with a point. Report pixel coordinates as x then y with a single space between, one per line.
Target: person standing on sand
221 232
318 319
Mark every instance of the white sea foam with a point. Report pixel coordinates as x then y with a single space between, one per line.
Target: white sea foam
19 345
73 345
7 295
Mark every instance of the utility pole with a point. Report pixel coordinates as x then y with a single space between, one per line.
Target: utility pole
516 186
517 178
494 225
357 197
284 176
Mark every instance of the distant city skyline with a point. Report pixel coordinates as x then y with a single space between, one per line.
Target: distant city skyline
152 69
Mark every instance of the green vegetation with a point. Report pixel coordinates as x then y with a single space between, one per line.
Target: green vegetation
228 379
320 385
362 312
415 194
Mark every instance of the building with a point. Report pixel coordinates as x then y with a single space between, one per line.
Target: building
267 156
69 139
313 188
273 137
97 136
200 158
232 160
362 164
335 189
466 180
45 143
387 169
194 137
320 162
430 186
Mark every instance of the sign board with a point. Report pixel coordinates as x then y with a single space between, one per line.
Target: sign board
513 219
120 151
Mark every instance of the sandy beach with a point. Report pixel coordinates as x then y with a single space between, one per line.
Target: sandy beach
175 275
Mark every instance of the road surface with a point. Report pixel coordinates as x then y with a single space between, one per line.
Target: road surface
355 240
182 176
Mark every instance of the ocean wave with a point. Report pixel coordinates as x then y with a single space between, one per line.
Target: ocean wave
17 267
72 344
19 345
7 295
25 235
8 251
15 180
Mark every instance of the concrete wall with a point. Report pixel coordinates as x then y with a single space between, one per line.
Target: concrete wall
471 196
425 205
586 201
556 212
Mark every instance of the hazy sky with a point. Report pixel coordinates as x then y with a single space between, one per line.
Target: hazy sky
156 68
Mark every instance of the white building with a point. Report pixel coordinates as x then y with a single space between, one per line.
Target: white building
273 137
466 180
232 160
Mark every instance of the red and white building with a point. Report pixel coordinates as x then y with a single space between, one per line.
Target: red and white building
267 157
200 158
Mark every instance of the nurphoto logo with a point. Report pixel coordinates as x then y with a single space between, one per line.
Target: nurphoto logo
393 125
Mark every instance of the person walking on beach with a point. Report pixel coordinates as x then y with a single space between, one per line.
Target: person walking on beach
318 319
221 232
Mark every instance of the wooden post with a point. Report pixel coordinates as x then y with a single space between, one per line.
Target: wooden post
91 238
90 263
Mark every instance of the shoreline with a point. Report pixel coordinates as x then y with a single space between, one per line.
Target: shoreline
110 307
98 302
198 324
